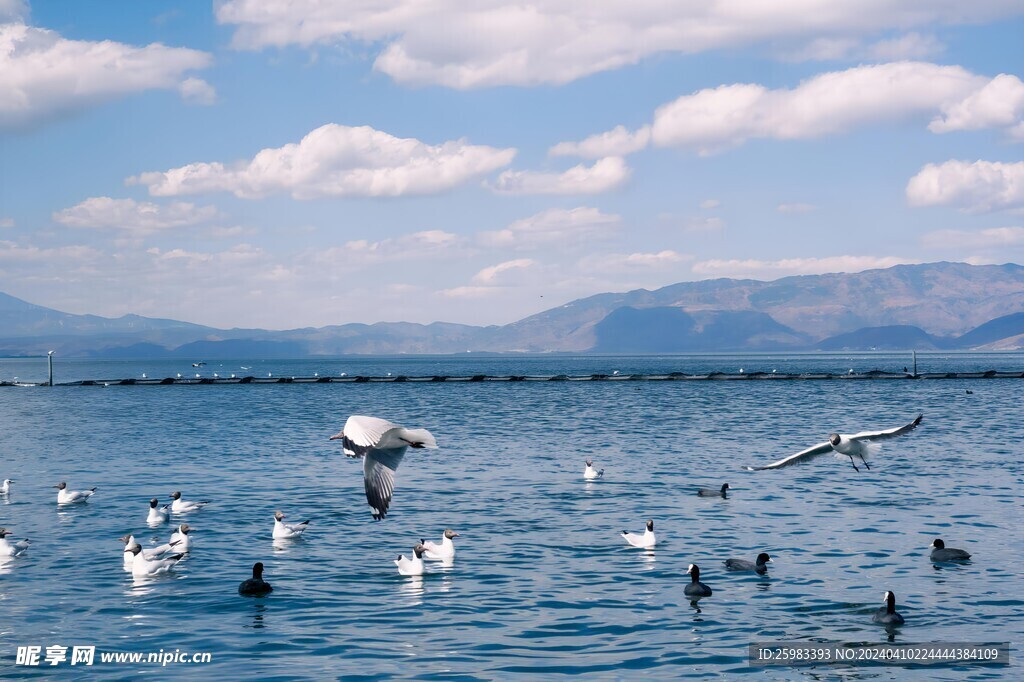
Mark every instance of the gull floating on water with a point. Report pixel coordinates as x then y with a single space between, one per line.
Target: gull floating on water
645 541
152 553
255 586
6 487
181 538
144 567
8 548
591 472
382 445
443 551
861 445
158 514
413 565
180 506
283 531
65 496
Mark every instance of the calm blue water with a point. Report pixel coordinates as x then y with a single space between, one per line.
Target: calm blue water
542 585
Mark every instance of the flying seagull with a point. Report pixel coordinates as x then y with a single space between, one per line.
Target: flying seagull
382 445
861 445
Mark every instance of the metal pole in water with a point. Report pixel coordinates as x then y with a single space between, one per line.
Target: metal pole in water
915 362
49 360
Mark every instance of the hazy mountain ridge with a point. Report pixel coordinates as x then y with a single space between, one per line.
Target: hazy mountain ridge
935 305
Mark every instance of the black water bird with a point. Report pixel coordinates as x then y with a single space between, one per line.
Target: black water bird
696 588
941 553
760 565
255 586
887 614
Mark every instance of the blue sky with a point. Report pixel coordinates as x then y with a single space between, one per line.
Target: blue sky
287 164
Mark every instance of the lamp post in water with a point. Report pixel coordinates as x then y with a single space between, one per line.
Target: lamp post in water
49 360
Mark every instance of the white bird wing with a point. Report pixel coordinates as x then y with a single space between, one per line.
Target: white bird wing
888 433
361 433
379 466
799 458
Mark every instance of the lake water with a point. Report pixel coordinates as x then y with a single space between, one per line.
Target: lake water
542 585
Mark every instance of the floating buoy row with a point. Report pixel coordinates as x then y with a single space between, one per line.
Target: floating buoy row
672 376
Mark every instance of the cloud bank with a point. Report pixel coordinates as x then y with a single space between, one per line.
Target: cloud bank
336 161
498 42
43 75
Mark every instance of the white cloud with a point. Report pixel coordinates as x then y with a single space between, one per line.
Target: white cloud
631 262
973 187
336 161
616 142
425 245
555 225
105 213
908 46
469 292
28 263
714 119
13 11
606 174
703 224
793 266
43 74
709 204
6 222
795 208
499 274
502 42
991 238
999 104
197 91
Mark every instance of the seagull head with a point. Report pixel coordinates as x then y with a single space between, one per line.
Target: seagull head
278 515
650 525
61 486
135 548
127 539
184 529
153 503
419 550
833 438
449 533
590 463
338 436
4 532
176 495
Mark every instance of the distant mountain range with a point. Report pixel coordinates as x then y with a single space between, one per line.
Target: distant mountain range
929 306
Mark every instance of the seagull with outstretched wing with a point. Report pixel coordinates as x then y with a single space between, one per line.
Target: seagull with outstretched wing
382 445
861 445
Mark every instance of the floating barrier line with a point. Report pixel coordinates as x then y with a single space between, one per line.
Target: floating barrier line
673 376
